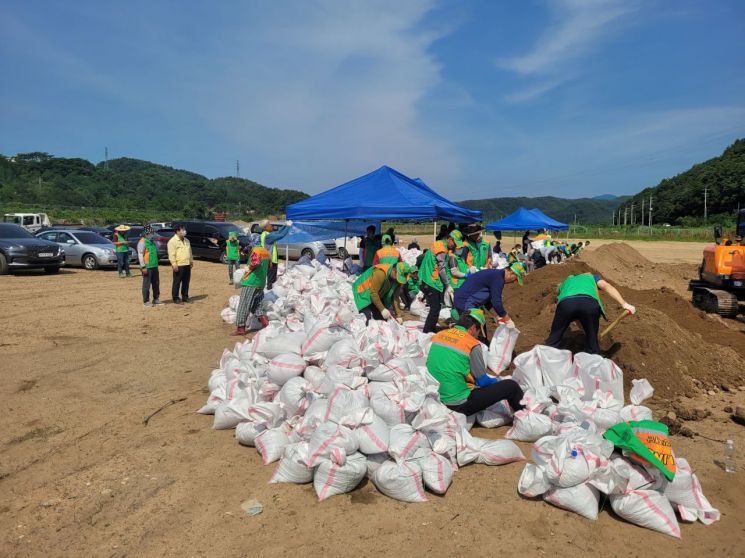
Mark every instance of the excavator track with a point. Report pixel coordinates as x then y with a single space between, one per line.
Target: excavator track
715 301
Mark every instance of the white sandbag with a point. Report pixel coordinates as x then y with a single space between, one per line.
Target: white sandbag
394 368
331 441
247 432
233 302
404 441
487 452
294 397
315 376
336 377
375 460
582 499
527 373
285 366
501 346
686 495
344 353
598 373
384 401
607 412
333 478
236 409
293 466
532 481
238 277
529 426
228 315
555 364
271 444
322 337
342 402
269 343
373 434
498 414
437 471
400 481
576 458
635 412
646 508
640 390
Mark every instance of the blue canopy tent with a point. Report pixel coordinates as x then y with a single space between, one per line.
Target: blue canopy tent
551 224
384 194
309 231
521 220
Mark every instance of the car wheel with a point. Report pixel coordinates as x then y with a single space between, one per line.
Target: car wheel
3 265
51 269
223 258
343 254
308 252
90 262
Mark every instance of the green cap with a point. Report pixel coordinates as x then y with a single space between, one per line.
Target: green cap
232 234
518 269
457 237
413 269
402 270
386 239
478 315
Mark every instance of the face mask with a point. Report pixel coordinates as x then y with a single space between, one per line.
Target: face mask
182 233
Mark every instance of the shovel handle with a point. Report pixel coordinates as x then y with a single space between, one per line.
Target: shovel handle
614 323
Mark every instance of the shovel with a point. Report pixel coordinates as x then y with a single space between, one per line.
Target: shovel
614 323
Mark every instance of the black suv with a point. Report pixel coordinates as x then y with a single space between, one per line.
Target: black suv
19 249
208 238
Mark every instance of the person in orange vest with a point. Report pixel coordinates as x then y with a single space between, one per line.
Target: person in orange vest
456 361
387 254
378 289
253 283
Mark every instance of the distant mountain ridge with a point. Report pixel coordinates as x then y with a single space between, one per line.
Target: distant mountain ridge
583 210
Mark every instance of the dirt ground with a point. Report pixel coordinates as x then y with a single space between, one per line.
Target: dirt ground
83 364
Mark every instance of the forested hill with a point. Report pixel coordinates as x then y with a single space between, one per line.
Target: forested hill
586 210
39 178
680 199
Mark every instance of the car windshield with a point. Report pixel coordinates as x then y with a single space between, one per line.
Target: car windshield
228 228
14 231
91 238
135 232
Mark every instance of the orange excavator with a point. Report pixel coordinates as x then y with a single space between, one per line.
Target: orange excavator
721 277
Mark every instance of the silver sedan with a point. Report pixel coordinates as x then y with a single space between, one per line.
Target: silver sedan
84 248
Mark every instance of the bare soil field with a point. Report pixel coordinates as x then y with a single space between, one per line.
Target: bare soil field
83 364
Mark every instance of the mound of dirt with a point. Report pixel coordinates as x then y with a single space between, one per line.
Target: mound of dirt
678 348
622 265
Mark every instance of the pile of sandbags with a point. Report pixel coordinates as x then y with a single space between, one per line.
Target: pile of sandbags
569 403
332 400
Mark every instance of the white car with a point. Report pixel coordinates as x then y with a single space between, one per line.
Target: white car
84 248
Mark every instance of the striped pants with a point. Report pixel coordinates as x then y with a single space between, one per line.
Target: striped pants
250 303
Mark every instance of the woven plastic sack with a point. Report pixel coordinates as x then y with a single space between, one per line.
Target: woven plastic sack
405 441
598 373
271 444
285 366
344 353
228 315
342 402
635 412
640 390
400 481
437 471
498 414
373 435
575 458
392 369
487 452
532 481
501 346
331 478
686 495
582 499
331 441
269 343
294 397
247 432
322 337
647 508
293 466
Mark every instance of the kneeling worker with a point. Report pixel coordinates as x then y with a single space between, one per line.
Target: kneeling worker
456 360
484 288
579 299
378 289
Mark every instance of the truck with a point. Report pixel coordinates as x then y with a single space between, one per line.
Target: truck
32 222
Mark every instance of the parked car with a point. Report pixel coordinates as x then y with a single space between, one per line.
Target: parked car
208 238
297 249
162 225
83 248
19 249
103 231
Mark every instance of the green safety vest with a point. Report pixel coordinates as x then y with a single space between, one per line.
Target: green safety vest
232 249
462 265
581 285
150 253
449 362
480 254
429 274
361 287
121 247
256 277
275 259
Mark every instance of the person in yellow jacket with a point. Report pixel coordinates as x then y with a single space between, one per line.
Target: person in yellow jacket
182 260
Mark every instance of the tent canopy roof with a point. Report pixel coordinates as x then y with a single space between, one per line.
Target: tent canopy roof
384 194
526 220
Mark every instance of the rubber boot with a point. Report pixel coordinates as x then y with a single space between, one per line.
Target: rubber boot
264 321
241 330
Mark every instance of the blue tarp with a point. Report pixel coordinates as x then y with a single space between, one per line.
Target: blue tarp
526 220
308 231
382 195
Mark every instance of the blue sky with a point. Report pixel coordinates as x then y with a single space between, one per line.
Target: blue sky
480 99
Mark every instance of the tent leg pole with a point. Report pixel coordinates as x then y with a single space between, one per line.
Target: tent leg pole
434 231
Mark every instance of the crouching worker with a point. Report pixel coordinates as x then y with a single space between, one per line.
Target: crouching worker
378 289
252 291
456 360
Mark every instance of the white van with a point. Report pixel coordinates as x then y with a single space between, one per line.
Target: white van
32 222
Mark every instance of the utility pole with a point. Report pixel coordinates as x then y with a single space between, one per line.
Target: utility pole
625 216
106 158
706 193
642 212
237 169
632 213
650 213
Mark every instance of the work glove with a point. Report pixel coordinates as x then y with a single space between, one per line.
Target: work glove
449 296
386 314
473 269
629 308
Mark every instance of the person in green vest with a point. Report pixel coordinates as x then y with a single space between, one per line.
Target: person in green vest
269 239
368 246
579 299
378 289
433 282
122 250
147 254
252 291
232 254
411 289
456 361
387 253
480 250
457 264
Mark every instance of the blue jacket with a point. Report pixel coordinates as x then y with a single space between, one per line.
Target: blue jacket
481 287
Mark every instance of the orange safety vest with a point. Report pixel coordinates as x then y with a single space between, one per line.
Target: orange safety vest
387 254
439 247
451 352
